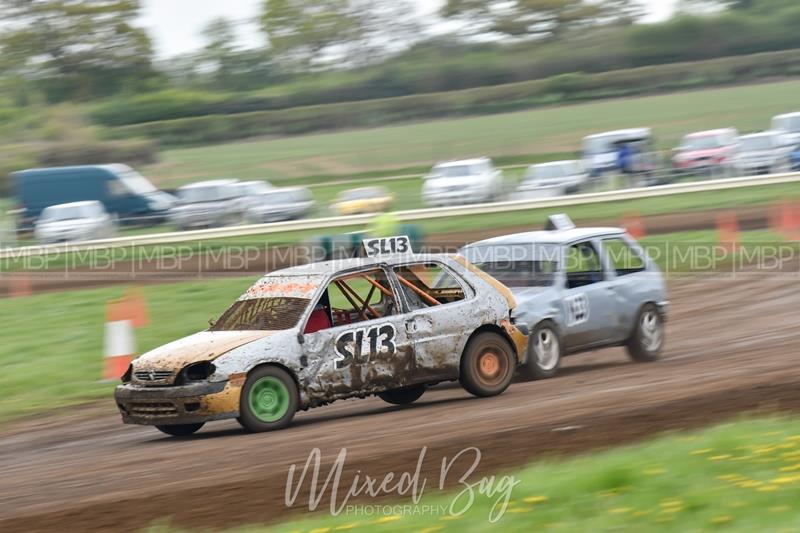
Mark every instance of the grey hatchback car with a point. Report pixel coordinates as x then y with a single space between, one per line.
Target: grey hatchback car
577 289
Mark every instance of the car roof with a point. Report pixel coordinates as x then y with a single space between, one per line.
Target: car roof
708 133
760 134
276 190
210 183
85 203
460 162
636 132
788 115
550 237
332 267
556 163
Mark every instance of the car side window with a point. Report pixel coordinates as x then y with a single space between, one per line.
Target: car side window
622 258
115 188
428 285
352 299
582 265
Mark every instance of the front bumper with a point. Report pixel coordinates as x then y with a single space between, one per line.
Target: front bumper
187 404
443 198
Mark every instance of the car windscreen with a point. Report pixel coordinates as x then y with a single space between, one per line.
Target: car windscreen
211 193
549 172
517 265
755 144
73 212
455 171
361 194
135 182
598 145
702 142
262 314
277 198
790 124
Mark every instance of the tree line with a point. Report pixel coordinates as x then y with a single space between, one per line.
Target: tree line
63 50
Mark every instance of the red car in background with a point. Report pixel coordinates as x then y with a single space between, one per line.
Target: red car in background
708 151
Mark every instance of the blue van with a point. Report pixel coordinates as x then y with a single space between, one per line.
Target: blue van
122 191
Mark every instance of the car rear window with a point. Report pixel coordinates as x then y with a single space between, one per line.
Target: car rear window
262 314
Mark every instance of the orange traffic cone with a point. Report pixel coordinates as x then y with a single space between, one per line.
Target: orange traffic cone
20 284
728 230
790 221
634 225
119 342
137 307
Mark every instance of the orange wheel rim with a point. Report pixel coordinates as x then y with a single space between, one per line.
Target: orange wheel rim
489 364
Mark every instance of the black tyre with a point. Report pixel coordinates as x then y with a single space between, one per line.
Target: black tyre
545 351
487 365
180 430
402 396
647 340
269 400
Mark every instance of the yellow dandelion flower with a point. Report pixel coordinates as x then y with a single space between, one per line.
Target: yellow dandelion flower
386 519
655 471
785 480
518 510
620 510
767 488
721 519
639 514
321 530
451 517
671 503
431 529
720 457
780 509
791 468
701 452
345 527
535 499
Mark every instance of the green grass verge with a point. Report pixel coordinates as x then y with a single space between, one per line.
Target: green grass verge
741 476
556 131
52 349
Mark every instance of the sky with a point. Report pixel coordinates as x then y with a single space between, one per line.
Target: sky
176 25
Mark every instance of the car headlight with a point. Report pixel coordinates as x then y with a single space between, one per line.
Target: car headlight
196 372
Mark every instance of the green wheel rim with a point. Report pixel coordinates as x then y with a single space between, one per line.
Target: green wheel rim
269 399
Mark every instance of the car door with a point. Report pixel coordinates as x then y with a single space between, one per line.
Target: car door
588 308
440 305
631 283
357 336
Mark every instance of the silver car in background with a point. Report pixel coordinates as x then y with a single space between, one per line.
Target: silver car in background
789 125
577 289
208 204
77 221
767 152
463 182
281 204
553 179
250 191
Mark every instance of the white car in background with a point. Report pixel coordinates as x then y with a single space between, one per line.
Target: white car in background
768 152
208 204
280 204
76 221
463 182
789 125
249 191
557 178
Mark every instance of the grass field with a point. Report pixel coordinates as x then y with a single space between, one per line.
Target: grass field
549 132
740 476
62 367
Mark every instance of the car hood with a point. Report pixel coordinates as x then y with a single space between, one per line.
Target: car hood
203 346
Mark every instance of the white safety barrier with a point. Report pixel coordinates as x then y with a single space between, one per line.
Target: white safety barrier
403 216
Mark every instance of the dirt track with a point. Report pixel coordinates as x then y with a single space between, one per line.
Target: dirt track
732 347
